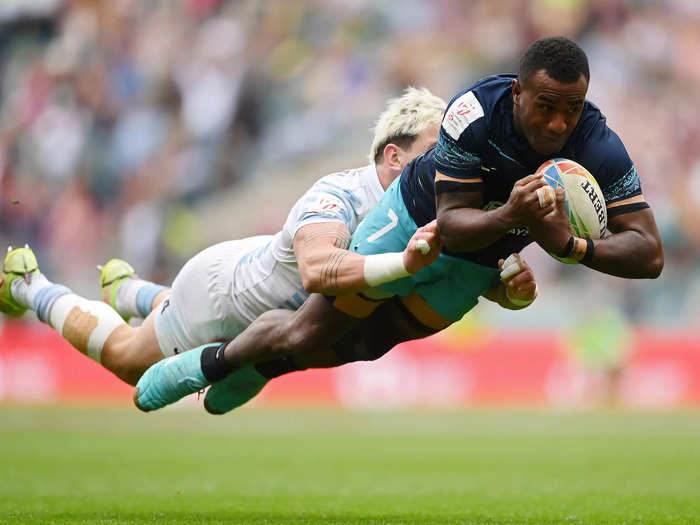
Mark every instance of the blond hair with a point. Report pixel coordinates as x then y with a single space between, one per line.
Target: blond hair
405 118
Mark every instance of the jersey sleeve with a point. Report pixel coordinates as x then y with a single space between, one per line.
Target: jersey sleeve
457 154
615 172
324 202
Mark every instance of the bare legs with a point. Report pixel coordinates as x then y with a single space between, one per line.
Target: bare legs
320 336
129 351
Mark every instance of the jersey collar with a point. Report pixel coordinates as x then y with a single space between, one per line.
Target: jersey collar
370 178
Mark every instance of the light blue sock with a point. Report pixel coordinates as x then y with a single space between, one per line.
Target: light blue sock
44 299
145 296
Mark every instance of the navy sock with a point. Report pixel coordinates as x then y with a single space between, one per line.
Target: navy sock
213 361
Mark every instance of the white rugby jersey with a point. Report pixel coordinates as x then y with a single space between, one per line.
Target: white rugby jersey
267 277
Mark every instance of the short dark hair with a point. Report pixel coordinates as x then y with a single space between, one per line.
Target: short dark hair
561 58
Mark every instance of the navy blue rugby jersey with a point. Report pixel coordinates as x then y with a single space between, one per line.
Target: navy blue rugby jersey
478 140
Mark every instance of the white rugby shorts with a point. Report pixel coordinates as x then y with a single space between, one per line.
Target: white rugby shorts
199 309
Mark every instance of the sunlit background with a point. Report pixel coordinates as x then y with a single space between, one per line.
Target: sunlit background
148 130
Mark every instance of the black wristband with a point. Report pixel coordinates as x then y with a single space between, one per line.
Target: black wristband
569 248
590 249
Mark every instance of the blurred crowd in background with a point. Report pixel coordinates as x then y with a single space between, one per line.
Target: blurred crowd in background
120 119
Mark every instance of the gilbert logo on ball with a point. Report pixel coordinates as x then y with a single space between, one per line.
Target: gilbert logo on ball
585 203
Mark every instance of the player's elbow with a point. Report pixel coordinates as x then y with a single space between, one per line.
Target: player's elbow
310 278
655 263
312 284
650 263
449 237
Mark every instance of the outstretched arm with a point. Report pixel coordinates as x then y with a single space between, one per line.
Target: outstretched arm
633 249
327 267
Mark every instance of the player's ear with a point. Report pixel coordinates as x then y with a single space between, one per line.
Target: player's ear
517 90
391 156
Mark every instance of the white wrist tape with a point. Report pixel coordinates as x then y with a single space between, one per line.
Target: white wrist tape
384 267
521 302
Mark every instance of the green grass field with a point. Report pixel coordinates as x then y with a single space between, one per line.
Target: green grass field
115 465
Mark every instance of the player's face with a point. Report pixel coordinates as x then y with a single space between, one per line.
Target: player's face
423 143
546 111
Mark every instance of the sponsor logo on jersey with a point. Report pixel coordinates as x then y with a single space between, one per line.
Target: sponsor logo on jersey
328 205
465 110
322 206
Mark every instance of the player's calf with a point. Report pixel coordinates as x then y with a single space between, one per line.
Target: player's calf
129 351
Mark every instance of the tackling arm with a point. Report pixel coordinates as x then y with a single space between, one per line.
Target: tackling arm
325 264
327 267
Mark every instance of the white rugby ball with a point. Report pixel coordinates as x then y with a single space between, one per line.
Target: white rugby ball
585 203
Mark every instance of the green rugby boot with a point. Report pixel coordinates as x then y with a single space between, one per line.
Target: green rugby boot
236 389
112 275
171 379
18 263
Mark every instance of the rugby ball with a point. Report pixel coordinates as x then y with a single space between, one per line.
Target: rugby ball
585 203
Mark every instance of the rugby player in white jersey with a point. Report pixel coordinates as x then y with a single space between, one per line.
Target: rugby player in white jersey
225 287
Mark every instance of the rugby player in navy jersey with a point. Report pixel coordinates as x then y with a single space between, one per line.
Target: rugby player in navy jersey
478 183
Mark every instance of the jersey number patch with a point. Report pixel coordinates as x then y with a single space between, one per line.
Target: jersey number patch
394 220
